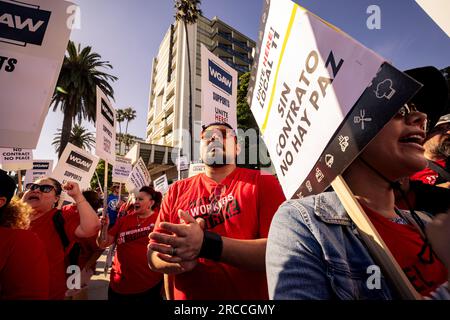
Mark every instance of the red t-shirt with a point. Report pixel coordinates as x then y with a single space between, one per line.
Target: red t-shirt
45 229
88 247
130 273
405 243
23 266
248 202
427 175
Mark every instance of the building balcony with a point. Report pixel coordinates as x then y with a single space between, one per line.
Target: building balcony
242 45
170 119
242 57
170 102
159 116
171 85
225 48
225 35
158 131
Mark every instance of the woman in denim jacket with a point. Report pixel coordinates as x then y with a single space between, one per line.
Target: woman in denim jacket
314 250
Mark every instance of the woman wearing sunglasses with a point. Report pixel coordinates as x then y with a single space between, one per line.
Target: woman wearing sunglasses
314 250
19 248
49 223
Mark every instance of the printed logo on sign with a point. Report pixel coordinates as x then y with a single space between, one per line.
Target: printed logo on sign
80 162
107 113
22 23
40 165
220 77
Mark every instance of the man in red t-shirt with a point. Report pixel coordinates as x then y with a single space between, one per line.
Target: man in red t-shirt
437 151
221 255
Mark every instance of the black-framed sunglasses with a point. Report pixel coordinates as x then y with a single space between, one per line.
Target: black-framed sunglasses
45 188
406 110
220 132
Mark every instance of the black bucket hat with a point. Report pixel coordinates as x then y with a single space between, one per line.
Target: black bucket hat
432 97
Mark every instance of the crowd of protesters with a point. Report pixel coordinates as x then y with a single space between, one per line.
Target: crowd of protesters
229 234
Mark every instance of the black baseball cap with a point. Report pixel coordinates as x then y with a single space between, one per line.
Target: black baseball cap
432 97
7 186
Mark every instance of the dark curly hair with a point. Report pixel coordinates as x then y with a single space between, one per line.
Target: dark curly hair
156 196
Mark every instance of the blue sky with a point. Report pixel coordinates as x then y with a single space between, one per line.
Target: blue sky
128 33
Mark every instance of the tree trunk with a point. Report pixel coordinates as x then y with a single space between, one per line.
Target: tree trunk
120 137
66 129
191 156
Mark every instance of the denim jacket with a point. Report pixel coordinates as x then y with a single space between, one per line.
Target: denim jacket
315 252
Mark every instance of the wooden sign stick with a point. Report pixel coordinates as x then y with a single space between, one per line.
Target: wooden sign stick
104 230
374 242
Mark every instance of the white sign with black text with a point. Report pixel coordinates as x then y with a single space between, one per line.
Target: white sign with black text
121 169
13 159
182 163
196 168
75 165
161 184
219 90
138 178
34 36
105 142
41 168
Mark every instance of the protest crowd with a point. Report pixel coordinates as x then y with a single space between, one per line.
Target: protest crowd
233 233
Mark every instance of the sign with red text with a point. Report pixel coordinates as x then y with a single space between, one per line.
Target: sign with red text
219 90
308 76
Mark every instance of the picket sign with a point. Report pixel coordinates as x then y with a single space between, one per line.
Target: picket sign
374 242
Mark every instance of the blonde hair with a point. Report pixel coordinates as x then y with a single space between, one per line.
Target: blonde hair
16 215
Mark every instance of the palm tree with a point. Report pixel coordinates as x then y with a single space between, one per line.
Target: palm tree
129 114
120 118
75 91
79 136
188 11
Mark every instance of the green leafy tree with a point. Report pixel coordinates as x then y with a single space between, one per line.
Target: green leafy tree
100 170
75 92
120 118
244 115
187 12
79 137
246 121
129 114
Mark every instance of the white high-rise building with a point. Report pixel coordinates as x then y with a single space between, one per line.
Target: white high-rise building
168 112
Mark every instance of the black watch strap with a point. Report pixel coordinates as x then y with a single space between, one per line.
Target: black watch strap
212 246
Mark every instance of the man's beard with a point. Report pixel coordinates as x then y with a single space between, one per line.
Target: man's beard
219 159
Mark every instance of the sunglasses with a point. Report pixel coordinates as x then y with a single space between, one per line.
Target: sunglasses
218 132
45 188
405 110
